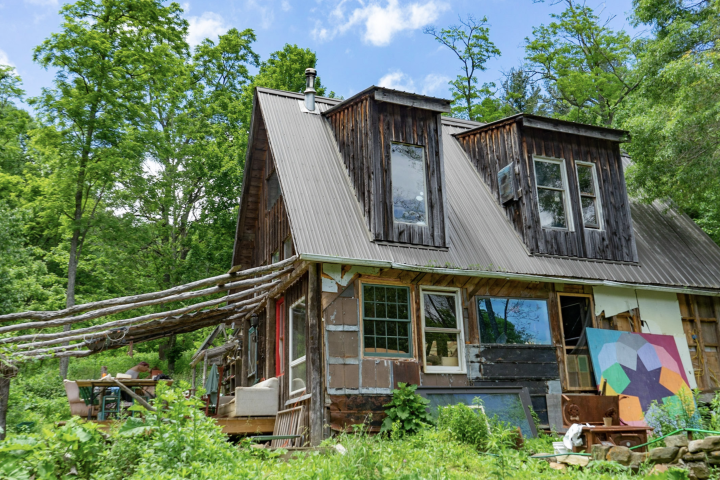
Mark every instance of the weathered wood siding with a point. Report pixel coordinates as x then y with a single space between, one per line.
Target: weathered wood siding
365 131
494 148
263 230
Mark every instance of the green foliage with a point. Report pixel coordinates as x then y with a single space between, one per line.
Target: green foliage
464 424
587 67
408 410
470 42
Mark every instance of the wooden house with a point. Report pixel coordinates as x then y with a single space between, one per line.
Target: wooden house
448 253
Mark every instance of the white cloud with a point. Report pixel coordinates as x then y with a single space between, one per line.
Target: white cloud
207 25
435 83
380 23
432 84
285 5
5 60
397 80
185 6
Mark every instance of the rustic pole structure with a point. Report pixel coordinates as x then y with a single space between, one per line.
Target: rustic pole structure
270 338
194 375
205 365
317 385
7 372
243 352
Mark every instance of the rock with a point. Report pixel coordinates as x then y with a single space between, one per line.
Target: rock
698 470
599 452
682 451
695 446
620 455
637 458
711 443
558 466
676 441
577 460
713 458
694 457
663 454
545 457
658 469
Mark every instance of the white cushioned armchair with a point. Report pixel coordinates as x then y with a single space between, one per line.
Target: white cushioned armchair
260 400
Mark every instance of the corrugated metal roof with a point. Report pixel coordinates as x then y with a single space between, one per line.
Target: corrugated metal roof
326 219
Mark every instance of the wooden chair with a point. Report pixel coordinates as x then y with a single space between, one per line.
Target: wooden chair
285 433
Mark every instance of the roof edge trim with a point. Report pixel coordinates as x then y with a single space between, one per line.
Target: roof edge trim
382 94
311 257
556 125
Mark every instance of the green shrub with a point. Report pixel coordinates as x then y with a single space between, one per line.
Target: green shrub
407 412
464 424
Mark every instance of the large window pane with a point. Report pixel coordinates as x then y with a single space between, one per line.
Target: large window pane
298 373
408 183
586 179
441 349
298 331
386 321
440 311
589 211
548 174
551 204
514 321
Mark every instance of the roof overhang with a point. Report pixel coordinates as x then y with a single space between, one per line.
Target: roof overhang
556 125
387 95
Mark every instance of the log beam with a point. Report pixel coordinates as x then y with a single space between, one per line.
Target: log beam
317 385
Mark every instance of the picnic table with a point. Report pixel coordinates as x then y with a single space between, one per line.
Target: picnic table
101 385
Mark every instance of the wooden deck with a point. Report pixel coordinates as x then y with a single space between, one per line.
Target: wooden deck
231 425
246 425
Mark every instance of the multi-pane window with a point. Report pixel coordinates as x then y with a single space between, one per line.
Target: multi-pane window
273 190
275 257
552 193
287 247
386 321
407 164
442 331
514 321
589 197
298 365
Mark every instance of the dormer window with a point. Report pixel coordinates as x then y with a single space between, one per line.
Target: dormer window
552 193
589 199
407 163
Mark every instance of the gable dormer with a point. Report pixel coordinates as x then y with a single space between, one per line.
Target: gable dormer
561 184
391 145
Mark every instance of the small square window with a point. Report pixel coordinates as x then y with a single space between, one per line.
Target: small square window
386 321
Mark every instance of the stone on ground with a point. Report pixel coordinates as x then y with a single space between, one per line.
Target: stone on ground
577 460
558 466
676 441
698 470
663 454
619 454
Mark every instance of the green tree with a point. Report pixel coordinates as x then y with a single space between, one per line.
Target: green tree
105 54
674 118
587 67
522 95
470 42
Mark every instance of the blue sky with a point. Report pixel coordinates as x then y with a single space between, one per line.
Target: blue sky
358 42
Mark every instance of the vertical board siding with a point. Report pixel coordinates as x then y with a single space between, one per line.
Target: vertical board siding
492 149
364 131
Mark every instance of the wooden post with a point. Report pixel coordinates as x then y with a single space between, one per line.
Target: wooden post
205 362
4 394
314 355
270 338
243 354
194 374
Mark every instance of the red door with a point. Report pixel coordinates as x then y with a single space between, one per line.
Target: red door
280 337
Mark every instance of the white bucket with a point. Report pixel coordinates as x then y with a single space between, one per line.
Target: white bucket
560 448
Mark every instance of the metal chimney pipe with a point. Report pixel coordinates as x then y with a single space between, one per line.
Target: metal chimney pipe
310 74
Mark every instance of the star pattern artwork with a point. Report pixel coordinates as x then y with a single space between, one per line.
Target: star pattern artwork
640 367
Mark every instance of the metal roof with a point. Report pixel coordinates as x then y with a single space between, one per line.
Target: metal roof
327 223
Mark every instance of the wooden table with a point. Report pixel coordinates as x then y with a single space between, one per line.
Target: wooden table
620 435
105 384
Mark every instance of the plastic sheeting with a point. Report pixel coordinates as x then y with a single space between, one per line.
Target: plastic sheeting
660 312
614 300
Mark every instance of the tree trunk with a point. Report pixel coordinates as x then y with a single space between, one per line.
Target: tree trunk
172 357
70 299
4 394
